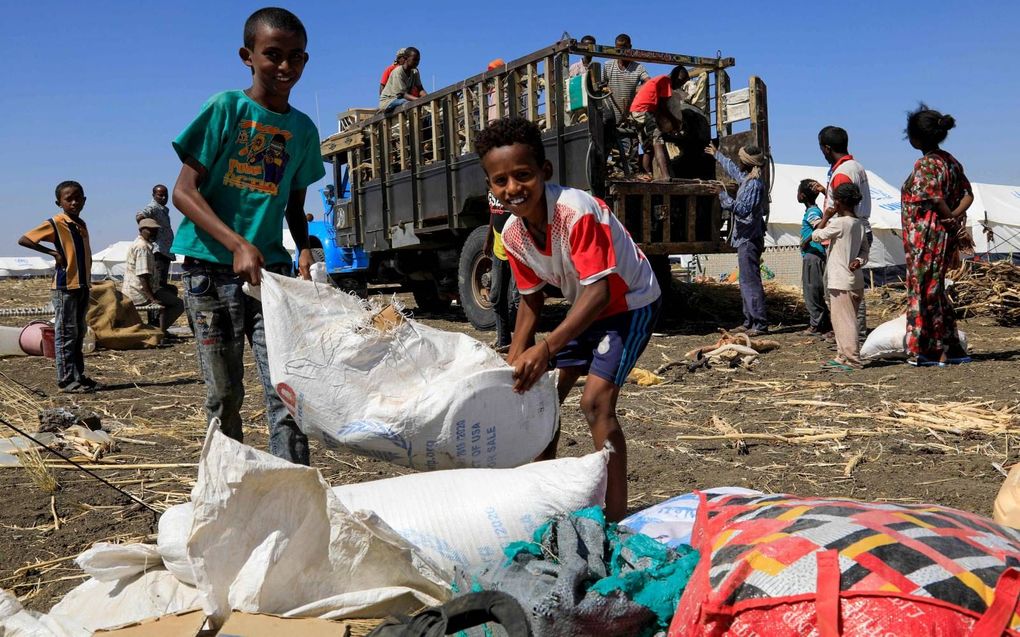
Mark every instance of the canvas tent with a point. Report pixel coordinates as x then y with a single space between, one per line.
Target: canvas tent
25 267
994 205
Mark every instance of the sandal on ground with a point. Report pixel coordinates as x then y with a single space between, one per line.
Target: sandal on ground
924 361
836 366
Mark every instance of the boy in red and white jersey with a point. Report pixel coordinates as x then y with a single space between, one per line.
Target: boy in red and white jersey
567 238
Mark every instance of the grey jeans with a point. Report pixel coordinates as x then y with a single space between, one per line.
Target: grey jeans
752 292
813 282
505 299
69 334
224 317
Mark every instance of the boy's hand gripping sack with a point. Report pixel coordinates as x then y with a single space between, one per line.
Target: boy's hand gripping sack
385 386
782 566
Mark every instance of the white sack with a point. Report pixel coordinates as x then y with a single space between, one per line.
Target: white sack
889 340
172 540
672 521
111 562
466 517
412 395
269 536
94 605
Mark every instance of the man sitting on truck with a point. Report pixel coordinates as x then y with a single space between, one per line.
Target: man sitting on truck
652 113
403 84
565 237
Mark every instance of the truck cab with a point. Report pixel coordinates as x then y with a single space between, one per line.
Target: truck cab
417 211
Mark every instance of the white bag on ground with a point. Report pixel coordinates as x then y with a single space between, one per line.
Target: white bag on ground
110 562
172 540
95 604
672 521
466 517
405 393
269 536
889 340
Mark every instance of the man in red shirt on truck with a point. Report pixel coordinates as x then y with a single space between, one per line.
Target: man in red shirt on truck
653 115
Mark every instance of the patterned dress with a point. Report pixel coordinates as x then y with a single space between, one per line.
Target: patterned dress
930 247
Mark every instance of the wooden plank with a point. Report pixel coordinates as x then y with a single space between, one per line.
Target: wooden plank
500 97
434 112
667 212
533 92
620 187
373 132
466 114
717 220
551 115
402 141
646 218
692 218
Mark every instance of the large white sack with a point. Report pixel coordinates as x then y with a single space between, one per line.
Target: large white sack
269 536
94 605
412 395
172 540
466 517
889 340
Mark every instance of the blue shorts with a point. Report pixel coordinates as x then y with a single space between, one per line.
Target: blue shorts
610 347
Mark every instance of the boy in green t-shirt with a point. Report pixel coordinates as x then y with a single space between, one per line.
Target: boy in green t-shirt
248 158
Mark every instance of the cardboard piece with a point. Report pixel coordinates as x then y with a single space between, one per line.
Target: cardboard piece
187 623
387 318
259 625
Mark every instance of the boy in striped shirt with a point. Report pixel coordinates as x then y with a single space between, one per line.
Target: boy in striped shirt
73 264
566 238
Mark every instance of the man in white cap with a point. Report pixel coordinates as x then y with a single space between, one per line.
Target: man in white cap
140 283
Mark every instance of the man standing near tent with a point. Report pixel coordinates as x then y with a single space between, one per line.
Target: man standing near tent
844 169
158 211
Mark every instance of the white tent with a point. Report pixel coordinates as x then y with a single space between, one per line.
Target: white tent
995 206
108 263
25 267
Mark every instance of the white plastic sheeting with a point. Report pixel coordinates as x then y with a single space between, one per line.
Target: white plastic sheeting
25 267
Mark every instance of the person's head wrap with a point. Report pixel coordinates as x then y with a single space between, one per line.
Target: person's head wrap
401 52
755 160
495 64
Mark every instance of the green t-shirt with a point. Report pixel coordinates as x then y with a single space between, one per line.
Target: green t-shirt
254 158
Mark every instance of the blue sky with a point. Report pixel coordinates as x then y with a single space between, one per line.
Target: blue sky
95 91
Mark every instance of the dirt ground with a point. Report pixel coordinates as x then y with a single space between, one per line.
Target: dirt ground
888 432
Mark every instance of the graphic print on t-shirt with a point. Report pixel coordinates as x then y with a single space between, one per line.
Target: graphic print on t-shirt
261 157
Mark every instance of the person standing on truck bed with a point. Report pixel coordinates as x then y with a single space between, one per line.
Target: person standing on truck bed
565 237
235 198
623 78
404 83
652 113
747 211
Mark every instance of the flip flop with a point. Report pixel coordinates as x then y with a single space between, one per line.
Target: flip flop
922 361
836 366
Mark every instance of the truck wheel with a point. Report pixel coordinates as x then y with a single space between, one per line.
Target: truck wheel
473 281
426 297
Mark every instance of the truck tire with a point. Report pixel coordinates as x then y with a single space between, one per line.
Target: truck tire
472 281
427 298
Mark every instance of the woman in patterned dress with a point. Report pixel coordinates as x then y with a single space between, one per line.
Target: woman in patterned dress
934 198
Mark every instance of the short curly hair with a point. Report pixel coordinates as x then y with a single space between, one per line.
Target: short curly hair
509 131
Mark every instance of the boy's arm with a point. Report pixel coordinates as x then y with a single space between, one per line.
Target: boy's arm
248 261
25 242
298 224
534 362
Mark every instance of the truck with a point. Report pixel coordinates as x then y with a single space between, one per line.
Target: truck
410 206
